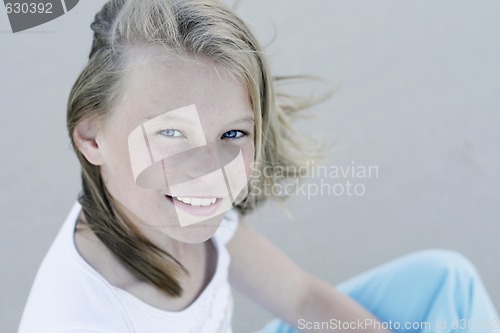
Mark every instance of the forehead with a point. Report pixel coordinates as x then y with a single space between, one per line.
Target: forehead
157 81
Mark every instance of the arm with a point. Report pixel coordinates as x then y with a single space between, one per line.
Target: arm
266 275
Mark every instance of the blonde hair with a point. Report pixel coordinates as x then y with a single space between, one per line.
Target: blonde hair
191 27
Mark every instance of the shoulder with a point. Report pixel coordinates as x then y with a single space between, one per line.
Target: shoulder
68 298
66 294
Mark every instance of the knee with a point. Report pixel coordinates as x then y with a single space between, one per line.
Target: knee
443 261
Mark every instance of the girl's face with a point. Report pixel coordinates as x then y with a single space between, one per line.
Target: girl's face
178 148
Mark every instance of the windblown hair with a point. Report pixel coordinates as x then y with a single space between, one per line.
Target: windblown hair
204 28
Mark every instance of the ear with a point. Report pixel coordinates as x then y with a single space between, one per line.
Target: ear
85 135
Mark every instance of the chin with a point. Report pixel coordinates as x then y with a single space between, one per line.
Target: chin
199 232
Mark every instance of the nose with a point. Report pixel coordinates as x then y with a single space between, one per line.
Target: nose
188 165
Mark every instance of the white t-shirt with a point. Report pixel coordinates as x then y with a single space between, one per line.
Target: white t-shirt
68 295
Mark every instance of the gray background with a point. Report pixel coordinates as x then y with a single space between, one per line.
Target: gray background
417 96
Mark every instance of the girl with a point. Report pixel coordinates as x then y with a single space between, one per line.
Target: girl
178 128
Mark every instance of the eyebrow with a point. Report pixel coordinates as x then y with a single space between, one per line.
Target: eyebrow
248 119
167 115
173 116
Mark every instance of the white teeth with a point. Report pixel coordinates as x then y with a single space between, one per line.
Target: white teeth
207 202
197 202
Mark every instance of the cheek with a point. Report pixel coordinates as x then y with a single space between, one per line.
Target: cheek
248 152
238 171
117 170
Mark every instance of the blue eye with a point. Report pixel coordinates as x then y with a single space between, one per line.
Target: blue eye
233 134
170 133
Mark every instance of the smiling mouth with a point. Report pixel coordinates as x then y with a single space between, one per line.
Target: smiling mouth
196 206
197 202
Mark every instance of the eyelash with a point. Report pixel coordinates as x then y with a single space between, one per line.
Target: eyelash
243 134
161 132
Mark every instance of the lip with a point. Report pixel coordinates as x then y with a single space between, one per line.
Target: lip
196 195
197 210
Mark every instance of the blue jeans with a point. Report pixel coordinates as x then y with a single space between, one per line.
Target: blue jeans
425 291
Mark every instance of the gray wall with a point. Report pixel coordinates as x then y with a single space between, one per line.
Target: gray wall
417 96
